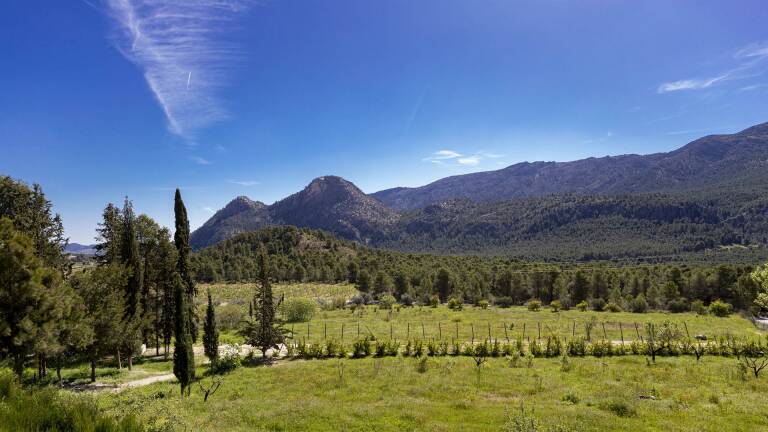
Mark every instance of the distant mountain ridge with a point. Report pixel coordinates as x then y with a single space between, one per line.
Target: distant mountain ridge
80 249
712 161
329 203
708 194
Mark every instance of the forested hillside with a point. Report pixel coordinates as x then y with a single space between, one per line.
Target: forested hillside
300 254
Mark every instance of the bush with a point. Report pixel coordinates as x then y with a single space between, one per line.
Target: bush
597 304
534 305
434 301
582 306
406 300
613 307
229 317
386 301
555 305
229 359
49 409
720 309
483 304
504 302
639 305
619 407
298 309
698 307
455 303
678 306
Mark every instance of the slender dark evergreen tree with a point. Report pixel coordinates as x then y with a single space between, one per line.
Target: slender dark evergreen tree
183 356
129 255
210 332
181 239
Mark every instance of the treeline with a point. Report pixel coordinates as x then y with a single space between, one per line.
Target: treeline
300 255
139 295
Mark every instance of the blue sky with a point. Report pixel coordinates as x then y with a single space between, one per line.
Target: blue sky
102 99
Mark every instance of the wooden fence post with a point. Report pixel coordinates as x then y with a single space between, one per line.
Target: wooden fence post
621 330
457 331
423 332
489 332
506 335
440 330
686 330
325 331
523 330
408 332
605 334
307 331
358 329
472 327
574 329
342 332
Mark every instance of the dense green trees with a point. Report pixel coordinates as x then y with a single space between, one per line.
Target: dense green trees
474 278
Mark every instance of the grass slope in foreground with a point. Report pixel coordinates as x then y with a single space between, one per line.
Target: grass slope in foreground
391 394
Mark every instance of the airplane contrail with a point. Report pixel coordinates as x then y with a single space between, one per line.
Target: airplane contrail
189 79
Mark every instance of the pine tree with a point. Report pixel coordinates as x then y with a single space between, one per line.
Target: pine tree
579 287
181 239
264 331
210 332
29 300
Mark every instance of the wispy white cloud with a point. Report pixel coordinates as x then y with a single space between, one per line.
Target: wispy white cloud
753 87
200 161
750 58
243 182
454 158
209 209
690 84
181 48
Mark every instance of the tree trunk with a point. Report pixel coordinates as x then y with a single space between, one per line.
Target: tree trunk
18 366
93 370
130 360
119 361
58 372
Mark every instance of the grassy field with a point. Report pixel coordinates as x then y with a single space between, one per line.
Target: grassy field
471 322
393 394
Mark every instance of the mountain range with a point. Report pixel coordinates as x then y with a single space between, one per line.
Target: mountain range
709 195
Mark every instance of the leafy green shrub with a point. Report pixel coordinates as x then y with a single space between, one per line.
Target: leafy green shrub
434 301
678 306
387 301
720 309
483 304
698 307
361 348
613 307
406 300
597 304
571 398
229 359
229 317
422 365
577 347
298 309
555 305
582 306
619 407
504 302
534 305
454 303
51 410
639 304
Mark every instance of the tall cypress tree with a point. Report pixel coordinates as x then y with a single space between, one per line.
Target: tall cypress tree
183 355
130 258
270 332
210 332
181 239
